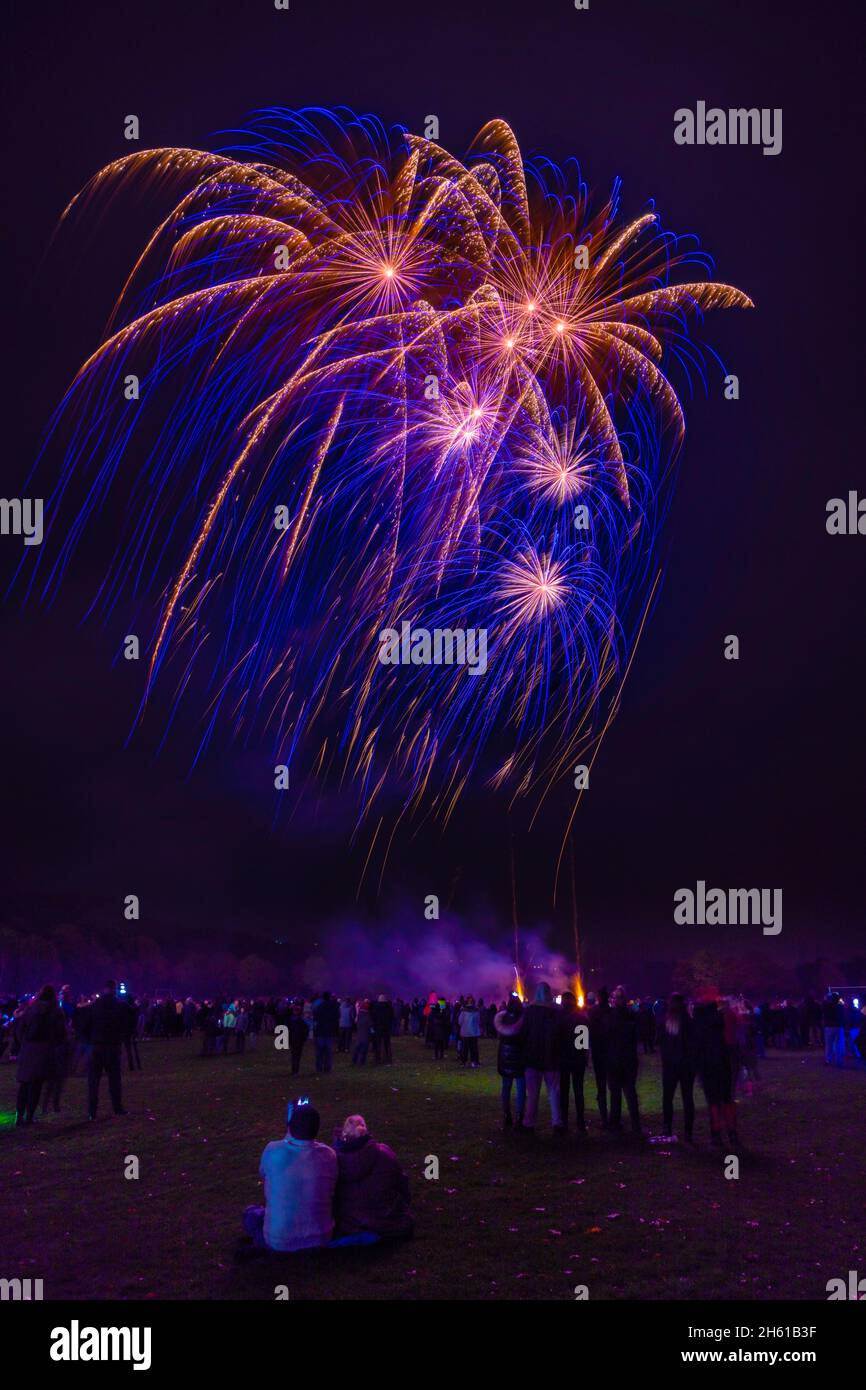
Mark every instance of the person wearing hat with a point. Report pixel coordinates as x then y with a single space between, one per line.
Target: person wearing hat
300 1175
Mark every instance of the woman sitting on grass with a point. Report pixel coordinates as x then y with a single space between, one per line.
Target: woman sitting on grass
371 1202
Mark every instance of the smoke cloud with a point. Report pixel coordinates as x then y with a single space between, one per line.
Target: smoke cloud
354 959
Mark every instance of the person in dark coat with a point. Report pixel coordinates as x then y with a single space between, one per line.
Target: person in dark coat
210 1031
326 1027
298 1032
42 1033
646 1027
372 1194
541 1025
599 1017
833 1017
511 1059
364 1027
813 1021
66 1002
347 1019
189 1017
438 1028
130 1037
106 1025
622 1061
572 1059
382 1024
678 1065
713 1066
52 1090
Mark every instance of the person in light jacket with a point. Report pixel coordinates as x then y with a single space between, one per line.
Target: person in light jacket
299 1176
469 1025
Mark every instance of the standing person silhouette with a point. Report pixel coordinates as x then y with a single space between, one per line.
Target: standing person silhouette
298 1032
43 1033
572 1061
599 1018
622 1061
106 1026
382 1017
511 1060
678 1065
542 1028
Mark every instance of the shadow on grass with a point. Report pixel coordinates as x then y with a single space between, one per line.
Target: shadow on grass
258 1273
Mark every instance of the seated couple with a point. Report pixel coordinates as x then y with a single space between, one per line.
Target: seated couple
314 1196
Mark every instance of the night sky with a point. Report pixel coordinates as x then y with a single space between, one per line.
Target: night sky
746 773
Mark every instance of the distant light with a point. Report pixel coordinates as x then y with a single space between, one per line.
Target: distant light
856 1003
559 998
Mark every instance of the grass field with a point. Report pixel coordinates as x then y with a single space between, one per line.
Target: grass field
508 1218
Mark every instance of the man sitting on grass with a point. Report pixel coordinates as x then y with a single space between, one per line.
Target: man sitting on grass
300 1176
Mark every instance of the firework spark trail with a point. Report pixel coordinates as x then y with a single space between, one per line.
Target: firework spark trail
429 364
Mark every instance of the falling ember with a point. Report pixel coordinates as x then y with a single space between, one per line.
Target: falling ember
518 986
577 984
